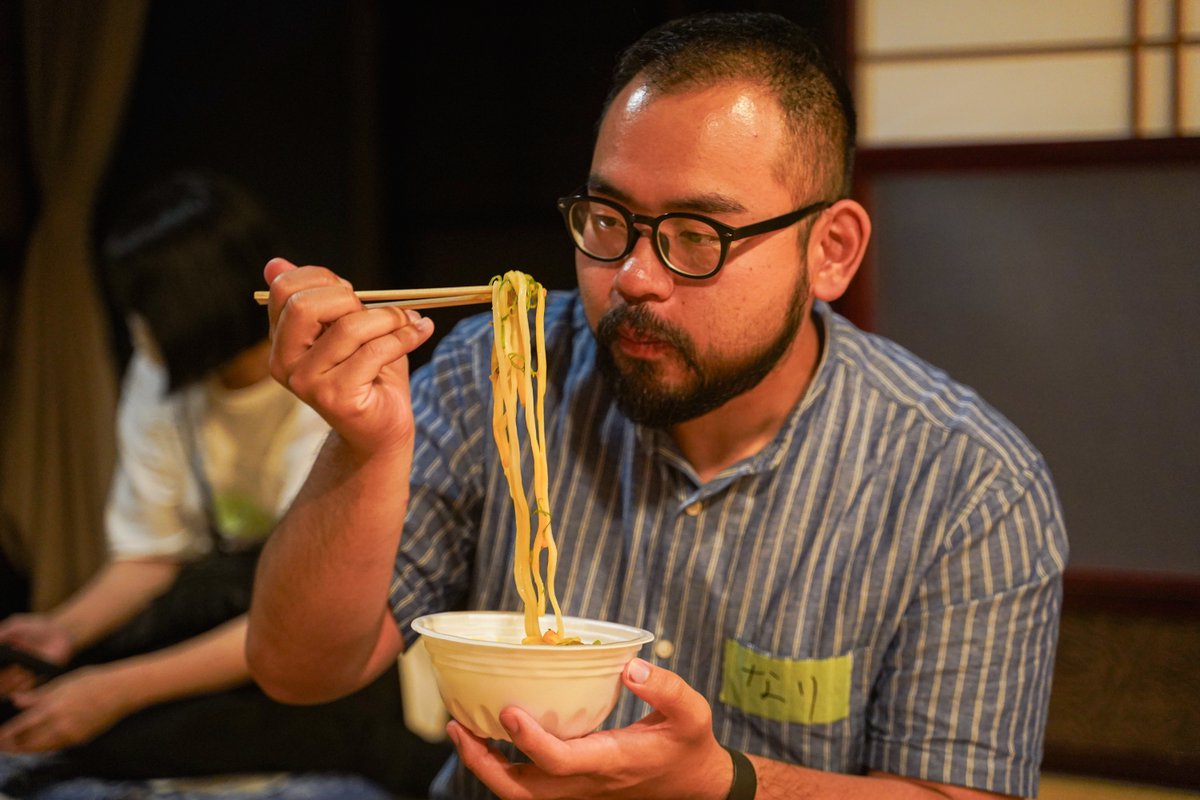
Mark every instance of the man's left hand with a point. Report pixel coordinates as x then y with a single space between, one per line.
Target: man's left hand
669 753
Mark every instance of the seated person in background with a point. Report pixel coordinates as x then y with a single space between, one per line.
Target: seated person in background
211 452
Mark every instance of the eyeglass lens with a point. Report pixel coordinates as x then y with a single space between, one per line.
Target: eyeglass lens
687 245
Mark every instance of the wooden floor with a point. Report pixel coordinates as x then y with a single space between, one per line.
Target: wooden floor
1070 787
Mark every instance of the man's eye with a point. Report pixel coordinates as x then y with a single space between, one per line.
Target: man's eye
698 238
607 221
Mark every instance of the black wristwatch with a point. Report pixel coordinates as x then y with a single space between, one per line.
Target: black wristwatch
745 779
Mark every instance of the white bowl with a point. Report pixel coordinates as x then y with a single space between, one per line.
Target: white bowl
481 667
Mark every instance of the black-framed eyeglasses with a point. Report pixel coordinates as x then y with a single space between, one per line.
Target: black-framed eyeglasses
688 244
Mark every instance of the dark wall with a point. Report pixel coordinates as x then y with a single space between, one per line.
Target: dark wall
263 91
1067 298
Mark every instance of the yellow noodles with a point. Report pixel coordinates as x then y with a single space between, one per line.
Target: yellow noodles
514 368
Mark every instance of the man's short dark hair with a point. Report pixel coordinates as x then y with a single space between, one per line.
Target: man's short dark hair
768 50
187 255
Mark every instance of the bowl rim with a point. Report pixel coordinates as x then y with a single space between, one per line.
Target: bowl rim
639 636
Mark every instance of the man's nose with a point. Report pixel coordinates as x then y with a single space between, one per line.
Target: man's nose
642 275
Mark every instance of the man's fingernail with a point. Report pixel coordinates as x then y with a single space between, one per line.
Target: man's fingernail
510 723
417 321
638 671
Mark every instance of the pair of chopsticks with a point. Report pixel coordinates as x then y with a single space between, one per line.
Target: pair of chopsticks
414 298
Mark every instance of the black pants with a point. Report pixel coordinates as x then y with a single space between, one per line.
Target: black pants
243 730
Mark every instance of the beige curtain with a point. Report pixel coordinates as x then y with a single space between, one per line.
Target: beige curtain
58 444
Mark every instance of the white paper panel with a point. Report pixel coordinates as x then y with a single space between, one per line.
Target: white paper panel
1157 19
907 25
1191 17
1080 95
1189 93
1156 91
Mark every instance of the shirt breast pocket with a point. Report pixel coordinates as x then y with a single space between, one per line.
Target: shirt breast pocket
800 709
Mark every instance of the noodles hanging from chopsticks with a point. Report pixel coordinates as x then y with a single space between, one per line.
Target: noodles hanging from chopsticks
517 360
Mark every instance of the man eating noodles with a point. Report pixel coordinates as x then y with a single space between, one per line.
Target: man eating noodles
796 509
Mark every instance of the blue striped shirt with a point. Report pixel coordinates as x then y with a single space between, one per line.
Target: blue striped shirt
897 550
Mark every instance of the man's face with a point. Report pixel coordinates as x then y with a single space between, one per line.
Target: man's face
675 348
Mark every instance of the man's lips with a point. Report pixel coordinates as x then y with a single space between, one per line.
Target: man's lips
638 343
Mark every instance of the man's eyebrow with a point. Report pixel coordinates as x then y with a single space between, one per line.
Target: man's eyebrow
708 203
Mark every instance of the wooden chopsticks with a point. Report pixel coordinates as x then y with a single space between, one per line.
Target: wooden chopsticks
414 298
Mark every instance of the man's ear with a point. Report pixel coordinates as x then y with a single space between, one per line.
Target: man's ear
836 247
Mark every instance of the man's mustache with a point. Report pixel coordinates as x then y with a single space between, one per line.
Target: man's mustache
639 321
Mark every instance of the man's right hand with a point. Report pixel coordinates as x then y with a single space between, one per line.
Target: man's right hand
346 361
40 636
350 364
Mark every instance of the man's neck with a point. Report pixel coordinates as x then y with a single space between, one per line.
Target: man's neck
746 424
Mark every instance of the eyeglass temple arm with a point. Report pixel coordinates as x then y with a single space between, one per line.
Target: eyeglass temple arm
775 223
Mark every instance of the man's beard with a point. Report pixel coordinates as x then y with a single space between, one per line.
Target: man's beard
706 386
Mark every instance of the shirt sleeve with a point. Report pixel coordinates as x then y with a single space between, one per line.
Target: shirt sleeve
965 685
153 507
452 409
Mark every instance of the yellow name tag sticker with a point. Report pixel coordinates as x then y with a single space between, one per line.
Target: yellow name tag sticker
810 691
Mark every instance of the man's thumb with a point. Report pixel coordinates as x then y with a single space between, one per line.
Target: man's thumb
661 688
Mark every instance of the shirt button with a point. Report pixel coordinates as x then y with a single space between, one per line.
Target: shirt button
664 648
694 509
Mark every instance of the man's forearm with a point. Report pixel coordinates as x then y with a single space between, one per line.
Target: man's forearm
780 781
319 626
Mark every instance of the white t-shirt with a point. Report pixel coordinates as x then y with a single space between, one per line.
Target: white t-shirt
256 446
